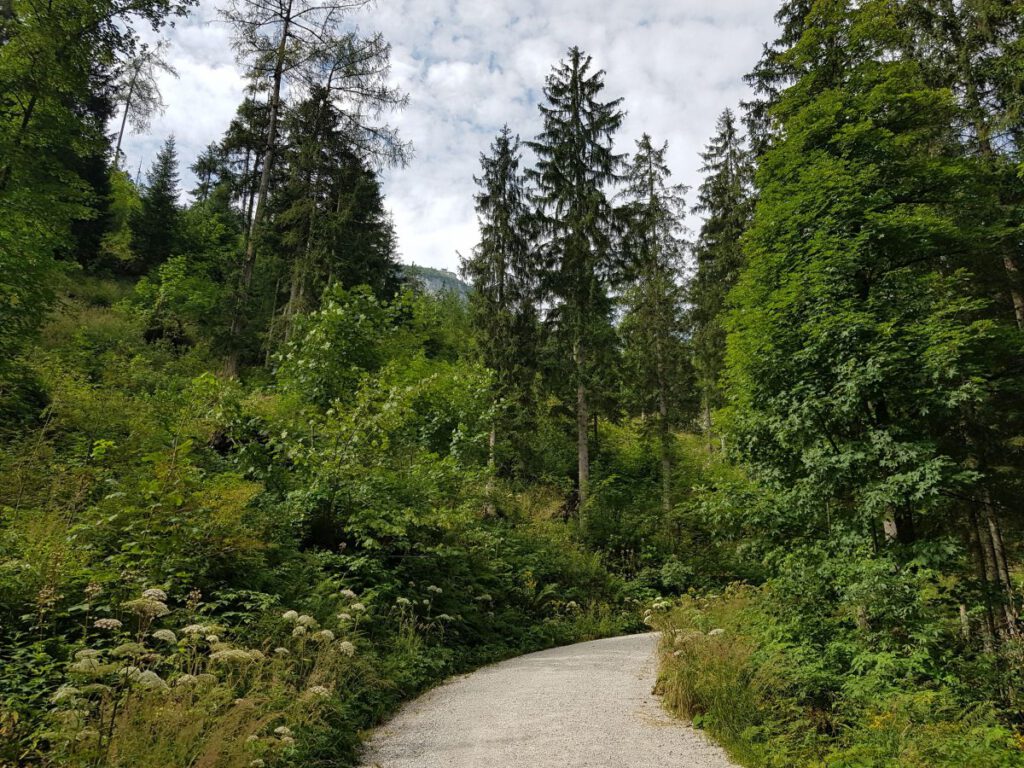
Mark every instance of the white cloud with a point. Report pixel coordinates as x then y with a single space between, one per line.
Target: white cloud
472 65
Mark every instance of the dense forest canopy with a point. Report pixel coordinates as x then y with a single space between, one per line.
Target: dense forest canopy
260 482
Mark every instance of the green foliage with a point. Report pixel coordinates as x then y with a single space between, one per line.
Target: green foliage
352 497
777 696
156 226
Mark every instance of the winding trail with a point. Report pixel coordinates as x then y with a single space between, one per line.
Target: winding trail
580 706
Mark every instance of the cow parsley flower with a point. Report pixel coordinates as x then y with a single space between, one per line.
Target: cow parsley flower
107 624
323 636
155 594
165 635
290 615
348 594
347 648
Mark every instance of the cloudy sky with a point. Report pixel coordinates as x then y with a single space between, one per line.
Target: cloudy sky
470 66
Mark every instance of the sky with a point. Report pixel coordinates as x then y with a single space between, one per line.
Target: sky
471 66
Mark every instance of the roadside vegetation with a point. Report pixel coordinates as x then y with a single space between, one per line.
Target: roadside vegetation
259 484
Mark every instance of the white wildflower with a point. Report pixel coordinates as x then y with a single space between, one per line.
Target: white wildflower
155 594
299 631
128 649
357 608
195 629
129 672
85 666
87 653
484 598
444 617
147 607
186 679
231 656
257 763
212 639
716 632
348 594
343 617
150 679
282 730
323 636
347 648
306 621
107 624
65 692
435 589
403 601
282 652
290 615
318 691
165 635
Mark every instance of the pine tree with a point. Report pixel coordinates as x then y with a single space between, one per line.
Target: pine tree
725 199
654 345
504 275
210 169
575 164
155 229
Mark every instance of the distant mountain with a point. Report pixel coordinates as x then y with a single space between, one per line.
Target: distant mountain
437 280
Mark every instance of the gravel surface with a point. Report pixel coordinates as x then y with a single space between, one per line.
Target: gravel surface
581 706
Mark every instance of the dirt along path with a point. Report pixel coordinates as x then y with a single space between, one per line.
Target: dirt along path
588 705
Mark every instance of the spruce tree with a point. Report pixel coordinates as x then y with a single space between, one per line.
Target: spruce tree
504 274
155 229
655 351
725 199
575 165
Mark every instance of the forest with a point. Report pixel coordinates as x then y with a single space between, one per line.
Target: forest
261 482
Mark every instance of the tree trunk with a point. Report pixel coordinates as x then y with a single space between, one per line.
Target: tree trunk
492 441
124 120
1001 567
249 260
666 453
582 430
986 575
1016 295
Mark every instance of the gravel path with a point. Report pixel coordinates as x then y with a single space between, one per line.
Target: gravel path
581 706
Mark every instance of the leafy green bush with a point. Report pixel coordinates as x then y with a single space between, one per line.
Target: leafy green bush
732 665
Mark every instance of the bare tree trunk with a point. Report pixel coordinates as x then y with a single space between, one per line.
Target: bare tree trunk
492 441
986 575
582 430
666 453
249 260
1000 565
1013 272
124 119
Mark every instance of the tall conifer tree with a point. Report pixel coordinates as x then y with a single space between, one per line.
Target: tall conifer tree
725 199
155 229
653 249
504 274
575 165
